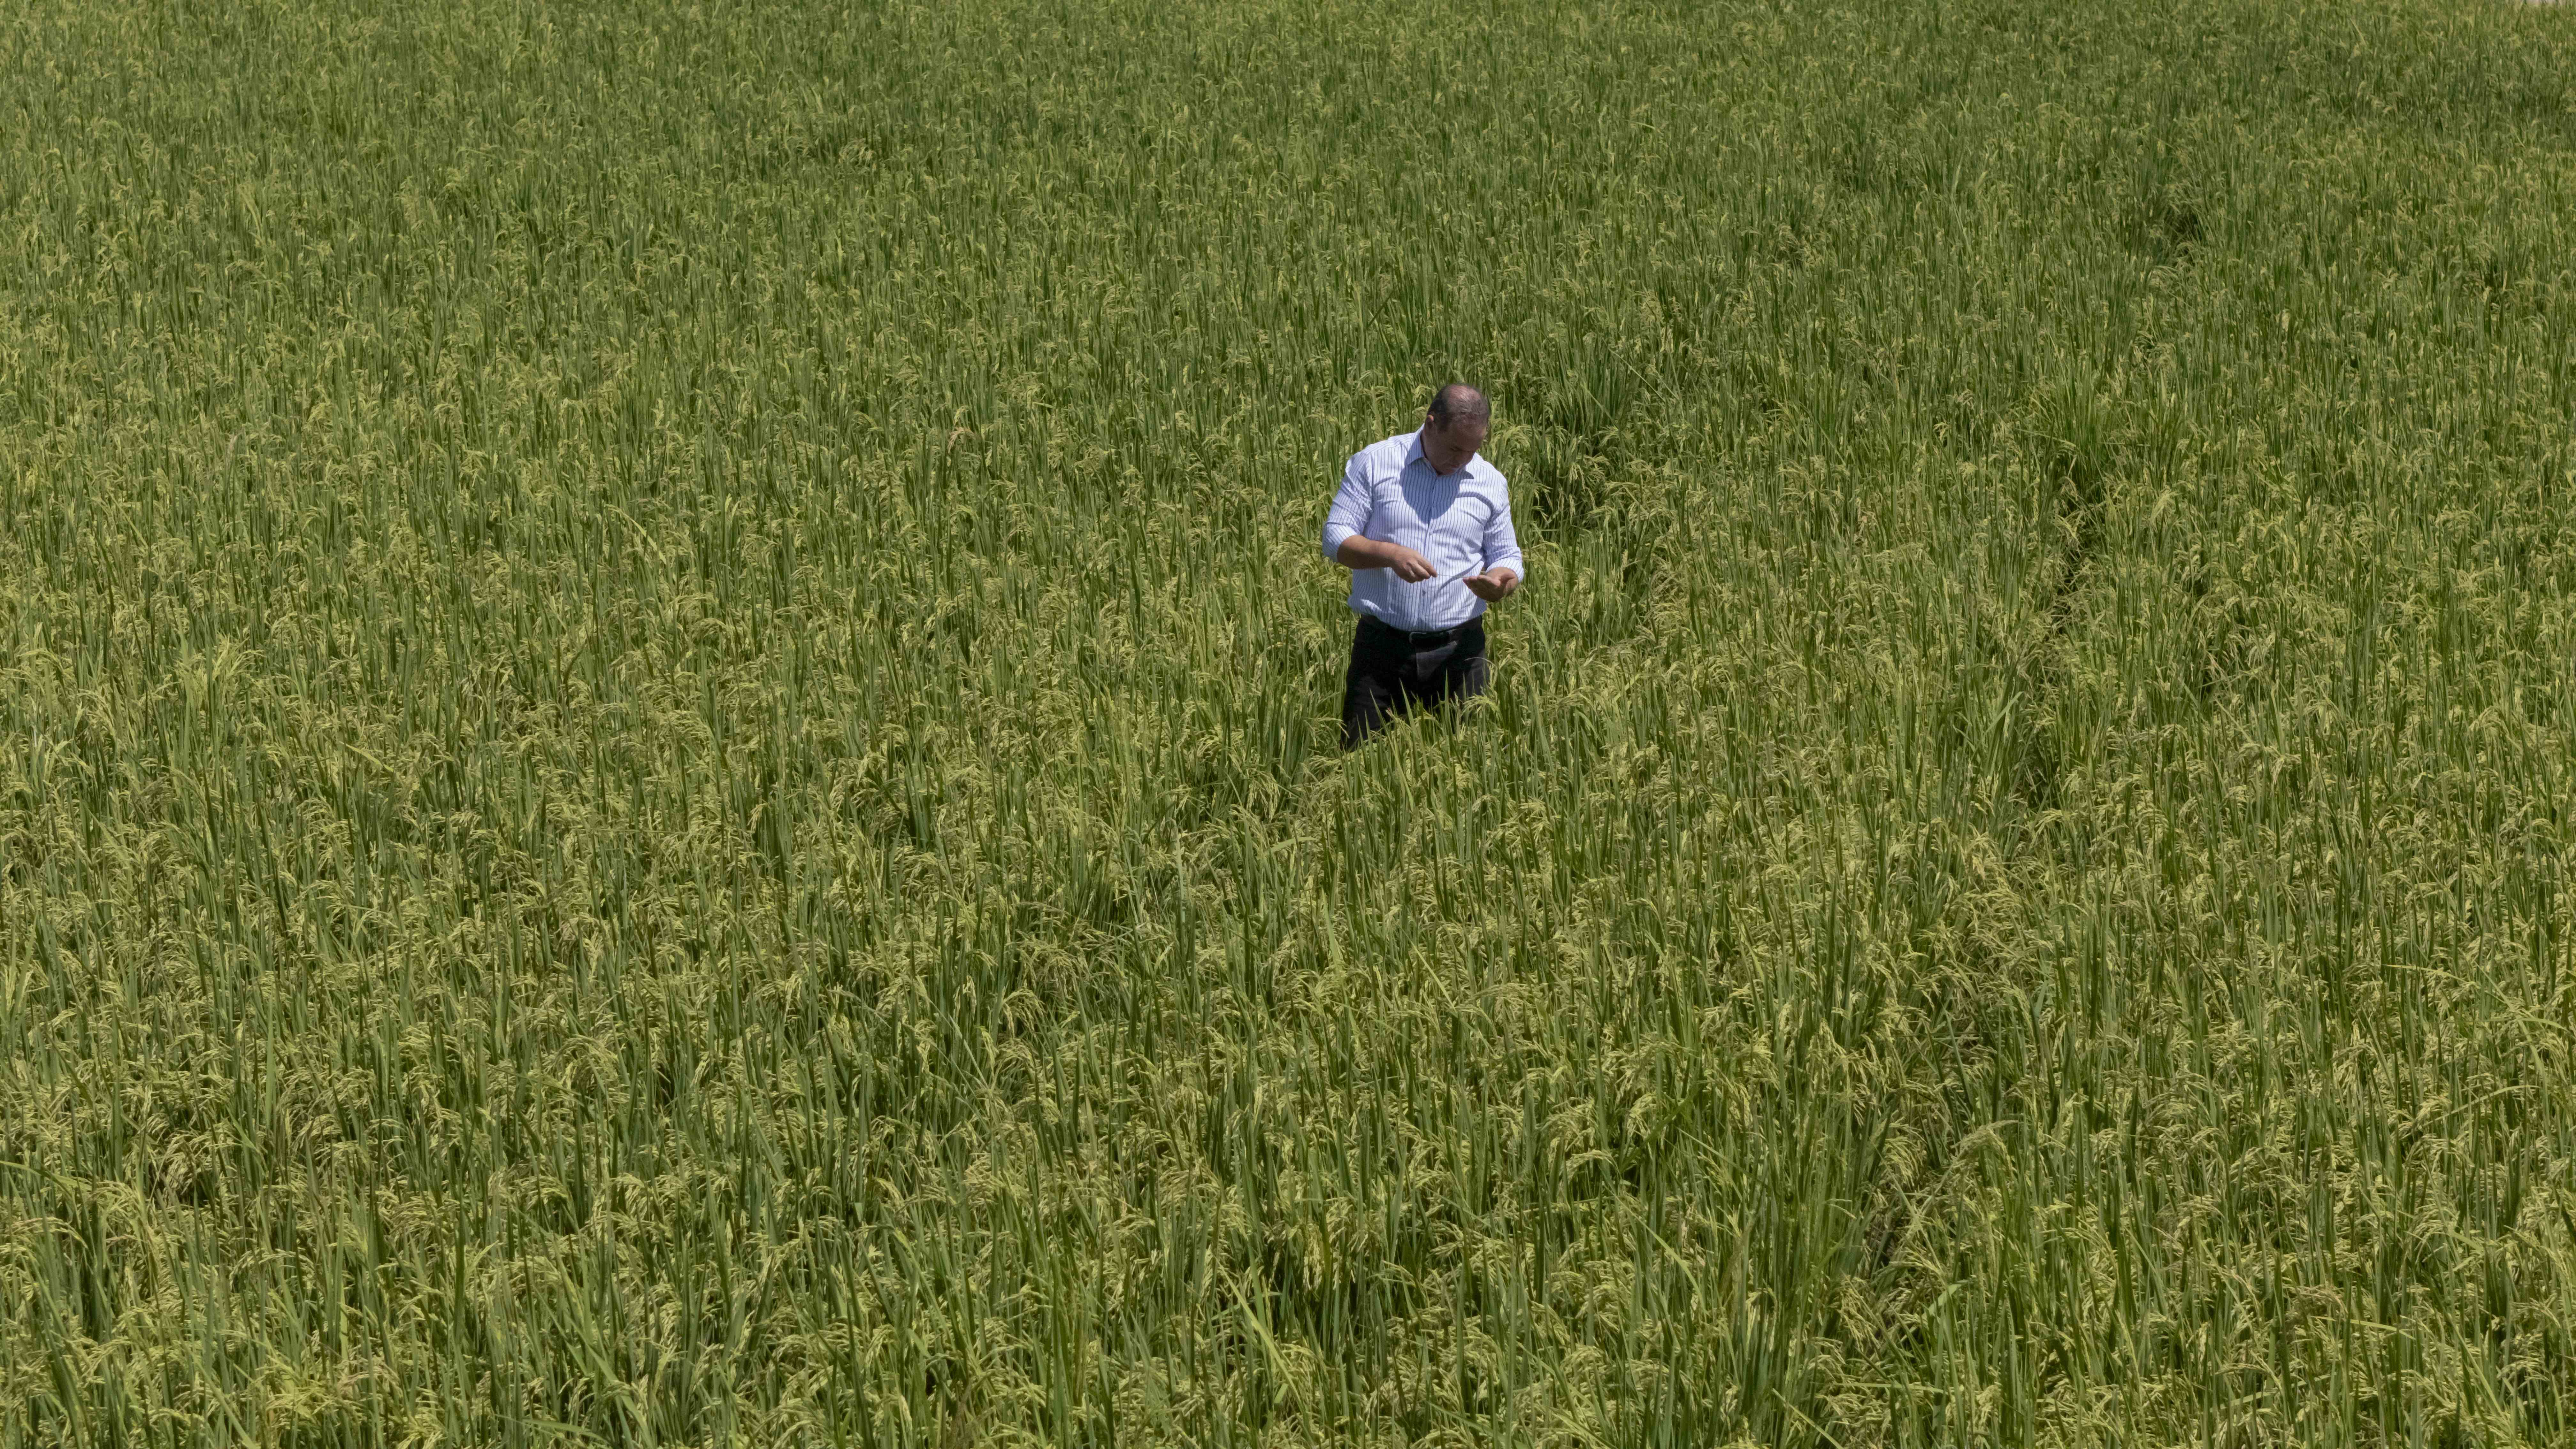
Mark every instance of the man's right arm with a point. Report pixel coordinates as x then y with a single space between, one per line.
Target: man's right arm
1347 545
1369 553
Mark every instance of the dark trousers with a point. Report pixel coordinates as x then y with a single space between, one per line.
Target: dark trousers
1392 672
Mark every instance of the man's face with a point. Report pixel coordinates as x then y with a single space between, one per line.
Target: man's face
1447 448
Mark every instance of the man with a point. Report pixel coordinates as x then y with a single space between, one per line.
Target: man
1425 527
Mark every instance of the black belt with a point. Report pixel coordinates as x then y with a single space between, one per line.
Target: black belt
1418 638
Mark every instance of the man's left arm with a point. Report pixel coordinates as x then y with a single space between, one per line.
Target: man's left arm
1504 567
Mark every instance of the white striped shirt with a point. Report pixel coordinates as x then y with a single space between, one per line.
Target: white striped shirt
1461 522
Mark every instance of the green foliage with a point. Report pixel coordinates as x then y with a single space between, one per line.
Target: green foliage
668 769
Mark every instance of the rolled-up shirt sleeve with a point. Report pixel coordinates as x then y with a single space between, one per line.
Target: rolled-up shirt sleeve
1349 515
1502 545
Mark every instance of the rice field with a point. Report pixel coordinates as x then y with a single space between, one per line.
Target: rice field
670 769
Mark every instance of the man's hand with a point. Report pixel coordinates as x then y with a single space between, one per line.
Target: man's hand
1369 553
1493 584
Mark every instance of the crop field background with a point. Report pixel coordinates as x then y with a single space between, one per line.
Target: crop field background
669 766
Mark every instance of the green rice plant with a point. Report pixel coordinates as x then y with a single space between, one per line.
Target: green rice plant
667 758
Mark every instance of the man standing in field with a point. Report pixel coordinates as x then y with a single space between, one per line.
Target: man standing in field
1425 527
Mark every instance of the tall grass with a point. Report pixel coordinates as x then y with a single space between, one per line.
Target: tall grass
668 768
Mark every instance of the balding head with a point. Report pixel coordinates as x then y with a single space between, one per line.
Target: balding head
1455 427
1459 403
